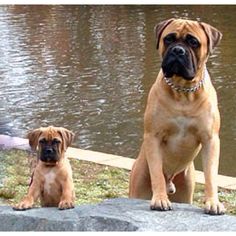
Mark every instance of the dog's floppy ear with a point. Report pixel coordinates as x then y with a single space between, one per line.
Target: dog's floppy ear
159 28
33 137
67 137
213 36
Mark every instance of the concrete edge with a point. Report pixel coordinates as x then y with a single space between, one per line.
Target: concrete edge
7 142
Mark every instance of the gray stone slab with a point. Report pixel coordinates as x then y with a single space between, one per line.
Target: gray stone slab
119 214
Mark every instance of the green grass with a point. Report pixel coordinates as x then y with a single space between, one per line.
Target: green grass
93 182
15 175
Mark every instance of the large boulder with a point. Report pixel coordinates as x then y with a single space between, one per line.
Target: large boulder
119 214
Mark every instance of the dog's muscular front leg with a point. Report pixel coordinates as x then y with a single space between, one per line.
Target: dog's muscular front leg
68 195
160 199
33 194
210 156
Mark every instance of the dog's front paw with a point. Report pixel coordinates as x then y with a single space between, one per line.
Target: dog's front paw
65 204
22 206
160 204
214 207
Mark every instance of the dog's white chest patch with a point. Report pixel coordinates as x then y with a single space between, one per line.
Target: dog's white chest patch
182 125
49 179
183 134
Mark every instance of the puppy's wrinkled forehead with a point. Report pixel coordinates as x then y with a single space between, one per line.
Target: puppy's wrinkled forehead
49 134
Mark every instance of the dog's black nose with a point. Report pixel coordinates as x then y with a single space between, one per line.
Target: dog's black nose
178 50
48 151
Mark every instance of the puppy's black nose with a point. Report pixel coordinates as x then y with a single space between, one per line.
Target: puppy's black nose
48 151
178 50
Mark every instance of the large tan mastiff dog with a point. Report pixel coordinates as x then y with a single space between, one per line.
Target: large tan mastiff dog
181 118
52 181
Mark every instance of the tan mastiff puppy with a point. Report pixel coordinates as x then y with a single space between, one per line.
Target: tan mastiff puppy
181 118
52 178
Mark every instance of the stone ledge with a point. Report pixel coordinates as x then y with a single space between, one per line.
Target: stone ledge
119 214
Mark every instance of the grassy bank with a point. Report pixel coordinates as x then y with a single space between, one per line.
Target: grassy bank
93 182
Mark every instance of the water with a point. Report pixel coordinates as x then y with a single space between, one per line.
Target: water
89 69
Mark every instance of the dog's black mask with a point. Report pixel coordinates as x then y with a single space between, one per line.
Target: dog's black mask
178 60
49 151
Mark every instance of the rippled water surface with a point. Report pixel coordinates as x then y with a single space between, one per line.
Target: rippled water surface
89 69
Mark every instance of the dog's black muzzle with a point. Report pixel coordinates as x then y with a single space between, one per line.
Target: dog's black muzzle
49 154
179 61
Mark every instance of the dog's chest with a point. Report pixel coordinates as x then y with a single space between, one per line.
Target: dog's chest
181 125
181 131
180 144
49 179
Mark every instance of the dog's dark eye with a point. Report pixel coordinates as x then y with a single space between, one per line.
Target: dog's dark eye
43 141
192 41
170 38
56 141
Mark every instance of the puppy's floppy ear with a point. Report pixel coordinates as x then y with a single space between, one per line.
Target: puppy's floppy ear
67 137
33 137
159 28
213 36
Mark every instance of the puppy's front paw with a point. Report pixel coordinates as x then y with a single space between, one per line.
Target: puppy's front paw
65 204
22 206
214 207
160 204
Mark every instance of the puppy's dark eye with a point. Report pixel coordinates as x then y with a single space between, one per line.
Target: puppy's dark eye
192 41
42 141
56 141
170 38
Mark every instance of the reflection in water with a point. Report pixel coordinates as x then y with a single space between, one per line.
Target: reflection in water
89 69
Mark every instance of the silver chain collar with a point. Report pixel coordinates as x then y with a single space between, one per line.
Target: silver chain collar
184 89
